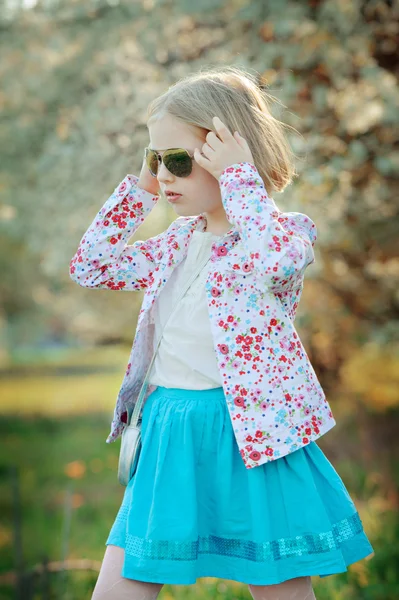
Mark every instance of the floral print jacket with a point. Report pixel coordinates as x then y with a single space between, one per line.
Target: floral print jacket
275 401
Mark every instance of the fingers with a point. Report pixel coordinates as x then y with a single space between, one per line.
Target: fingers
199 158
222 148
208 150
224 134
221 129
213 141
240 140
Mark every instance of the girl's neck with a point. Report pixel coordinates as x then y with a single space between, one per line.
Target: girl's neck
217 227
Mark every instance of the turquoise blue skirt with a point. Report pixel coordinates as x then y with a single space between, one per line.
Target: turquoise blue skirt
193 510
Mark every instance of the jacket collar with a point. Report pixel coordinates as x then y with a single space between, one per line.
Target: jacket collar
177 244
199 223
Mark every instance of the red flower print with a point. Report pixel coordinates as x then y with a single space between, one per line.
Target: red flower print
269 451
254 330
230 319
223 348
308 431
247 267
239 339
215 292
258 433
221 251
255 455
305 440
113 240
273 322
116 286
122 187
239 401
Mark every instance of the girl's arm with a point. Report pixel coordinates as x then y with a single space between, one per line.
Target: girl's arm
280 245
103 258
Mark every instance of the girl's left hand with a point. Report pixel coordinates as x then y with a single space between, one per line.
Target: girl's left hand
223 151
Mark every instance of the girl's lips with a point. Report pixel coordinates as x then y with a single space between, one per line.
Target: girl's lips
173 198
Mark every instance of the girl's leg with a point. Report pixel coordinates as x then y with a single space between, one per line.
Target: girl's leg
299 588
111 586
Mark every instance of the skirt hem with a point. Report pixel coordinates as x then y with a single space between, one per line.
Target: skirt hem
306 571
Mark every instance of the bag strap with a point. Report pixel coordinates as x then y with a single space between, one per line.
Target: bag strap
136 412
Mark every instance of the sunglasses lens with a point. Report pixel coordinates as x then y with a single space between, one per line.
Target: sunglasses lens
178 162
152 161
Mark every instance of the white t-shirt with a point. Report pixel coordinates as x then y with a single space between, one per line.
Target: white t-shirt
186 357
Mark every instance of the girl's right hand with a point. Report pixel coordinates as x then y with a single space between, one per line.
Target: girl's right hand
147 181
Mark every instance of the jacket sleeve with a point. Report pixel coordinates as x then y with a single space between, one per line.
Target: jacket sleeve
103 258
279 244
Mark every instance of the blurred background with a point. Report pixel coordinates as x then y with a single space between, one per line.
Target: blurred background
76 78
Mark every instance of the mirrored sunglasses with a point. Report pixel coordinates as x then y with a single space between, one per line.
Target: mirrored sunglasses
178 161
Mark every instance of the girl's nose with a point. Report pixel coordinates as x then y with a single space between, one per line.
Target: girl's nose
163 173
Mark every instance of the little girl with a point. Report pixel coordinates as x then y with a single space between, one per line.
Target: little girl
230 481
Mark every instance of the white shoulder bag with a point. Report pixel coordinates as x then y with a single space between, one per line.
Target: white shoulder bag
131 436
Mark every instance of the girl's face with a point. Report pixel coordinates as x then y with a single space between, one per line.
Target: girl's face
200 191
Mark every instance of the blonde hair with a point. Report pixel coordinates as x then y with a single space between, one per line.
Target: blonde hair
233 94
